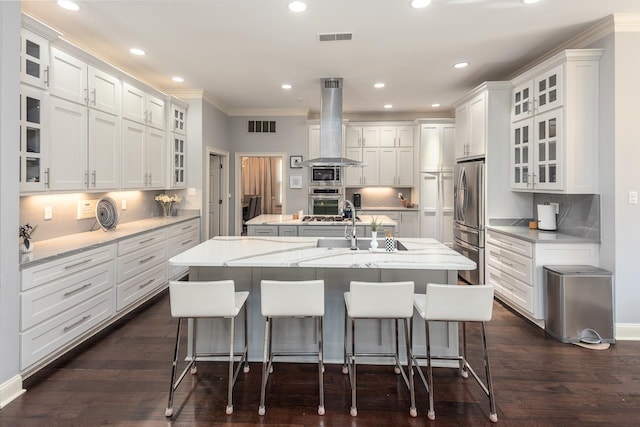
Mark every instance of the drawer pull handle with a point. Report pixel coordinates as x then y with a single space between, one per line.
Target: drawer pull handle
187 227
147 284
507 263
147 259
142 242
75 291
78 323
66 267
187 242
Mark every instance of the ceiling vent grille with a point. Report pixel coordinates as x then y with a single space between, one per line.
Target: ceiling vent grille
332 37
261 126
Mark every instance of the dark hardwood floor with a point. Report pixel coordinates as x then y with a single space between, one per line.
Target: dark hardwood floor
122 379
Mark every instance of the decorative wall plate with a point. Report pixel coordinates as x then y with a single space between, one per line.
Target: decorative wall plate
107 213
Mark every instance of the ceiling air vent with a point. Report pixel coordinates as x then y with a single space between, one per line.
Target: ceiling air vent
332 37
261 126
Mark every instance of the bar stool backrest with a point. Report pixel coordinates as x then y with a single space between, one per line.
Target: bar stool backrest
292 298
202 299
459 303
381 299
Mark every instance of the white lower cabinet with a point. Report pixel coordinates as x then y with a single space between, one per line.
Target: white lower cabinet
182 237
515 267
64 299
408 222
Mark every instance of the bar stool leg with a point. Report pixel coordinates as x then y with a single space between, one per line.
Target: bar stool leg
169 411
431 414
352 377
493 416
409 342
265 368
320 366
463 367
345 369
396 368
229 409
194 353
246 339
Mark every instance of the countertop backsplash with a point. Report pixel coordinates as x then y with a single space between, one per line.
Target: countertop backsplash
381 197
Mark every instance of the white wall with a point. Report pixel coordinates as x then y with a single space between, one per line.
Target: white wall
9 135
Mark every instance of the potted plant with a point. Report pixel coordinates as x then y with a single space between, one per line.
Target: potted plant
375 226
25 232
167 202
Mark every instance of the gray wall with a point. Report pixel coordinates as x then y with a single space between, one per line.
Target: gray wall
9 135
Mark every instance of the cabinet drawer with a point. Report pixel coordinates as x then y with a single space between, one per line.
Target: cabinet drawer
511 263
519 246
182 242
288 230
142 241
44 302
42 340
262 230
184 227
139 261
517 292
139 286
47 272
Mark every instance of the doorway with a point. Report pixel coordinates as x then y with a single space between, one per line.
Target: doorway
259 186
217 223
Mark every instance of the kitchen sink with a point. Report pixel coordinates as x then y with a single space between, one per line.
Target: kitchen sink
362 244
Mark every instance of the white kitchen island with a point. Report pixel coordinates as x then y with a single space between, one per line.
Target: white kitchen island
248 260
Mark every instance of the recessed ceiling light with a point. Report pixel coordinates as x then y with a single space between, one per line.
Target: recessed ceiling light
286 86
137 51
297 6
419 4
378 85
435 105
530 1
69 5
387 106
461 65
177 79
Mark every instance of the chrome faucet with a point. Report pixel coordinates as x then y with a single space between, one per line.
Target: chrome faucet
354 237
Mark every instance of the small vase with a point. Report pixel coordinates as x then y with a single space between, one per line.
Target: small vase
167 208
374 241
26 246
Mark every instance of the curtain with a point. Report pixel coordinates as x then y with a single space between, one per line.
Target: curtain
260 178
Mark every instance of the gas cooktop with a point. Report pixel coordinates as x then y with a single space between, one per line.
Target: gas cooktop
326 218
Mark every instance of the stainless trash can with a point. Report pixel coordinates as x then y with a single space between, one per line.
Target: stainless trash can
579 303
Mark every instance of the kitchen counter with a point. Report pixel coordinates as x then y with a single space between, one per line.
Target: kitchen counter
540 236
49 250
394 208
271 219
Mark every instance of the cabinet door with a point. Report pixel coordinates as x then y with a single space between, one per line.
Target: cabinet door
521 155
155 158
548 151
387 136
68 77
133 155
430 155
477 125
387 169
353 176
447 148
34 110
104 150
522 101
179 165
104 91
178 119
548 89
404 135
404 167
371 136
133 103
462 131
353 137
34 59
371 172
155 112
68 132
410 226
314 141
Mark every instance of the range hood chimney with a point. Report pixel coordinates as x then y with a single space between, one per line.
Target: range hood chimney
331 127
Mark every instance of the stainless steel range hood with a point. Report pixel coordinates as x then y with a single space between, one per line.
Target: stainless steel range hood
331 127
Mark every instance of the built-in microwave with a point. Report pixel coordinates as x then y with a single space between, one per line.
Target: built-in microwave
325 175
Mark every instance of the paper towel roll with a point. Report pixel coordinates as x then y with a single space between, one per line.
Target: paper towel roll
546 217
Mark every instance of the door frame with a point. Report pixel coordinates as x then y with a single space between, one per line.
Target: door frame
225 194
238 182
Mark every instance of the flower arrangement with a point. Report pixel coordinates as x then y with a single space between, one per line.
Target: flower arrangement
167 202
25 231
375 224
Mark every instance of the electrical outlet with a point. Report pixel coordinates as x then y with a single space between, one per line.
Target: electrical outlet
124 205
191 191
48 213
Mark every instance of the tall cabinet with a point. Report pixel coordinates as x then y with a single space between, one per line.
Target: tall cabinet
554 129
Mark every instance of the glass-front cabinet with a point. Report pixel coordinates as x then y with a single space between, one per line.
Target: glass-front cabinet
33 125
179 179
178 119
34 59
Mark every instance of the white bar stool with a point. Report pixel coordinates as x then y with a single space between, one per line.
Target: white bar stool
281 299
214 299
375 300
457 303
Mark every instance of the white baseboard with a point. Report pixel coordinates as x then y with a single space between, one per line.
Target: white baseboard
628 331
10 390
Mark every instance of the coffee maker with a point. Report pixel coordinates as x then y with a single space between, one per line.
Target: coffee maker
357 200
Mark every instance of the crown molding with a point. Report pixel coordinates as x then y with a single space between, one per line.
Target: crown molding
626 22
268 112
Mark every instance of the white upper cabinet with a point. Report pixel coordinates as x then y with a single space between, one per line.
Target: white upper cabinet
34 59
34 128
471 126
178 119
177 169
314 141
76 81
554 130
141 107
143 156
396 136
462 130
437 143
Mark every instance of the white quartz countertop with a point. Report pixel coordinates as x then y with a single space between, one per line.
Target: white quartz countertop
252 251
389 208
540 236
271 219
48 250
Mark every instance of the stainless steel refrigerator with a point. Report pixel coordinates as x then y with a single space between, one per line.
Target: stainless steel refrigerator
469 218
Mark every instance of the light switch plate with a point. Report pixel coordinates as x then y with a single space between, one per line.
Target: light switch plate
48 212
633 197
86 209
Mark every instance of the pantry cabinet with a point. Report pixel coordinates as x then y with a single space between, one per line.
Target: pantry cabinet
554 130
437 142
